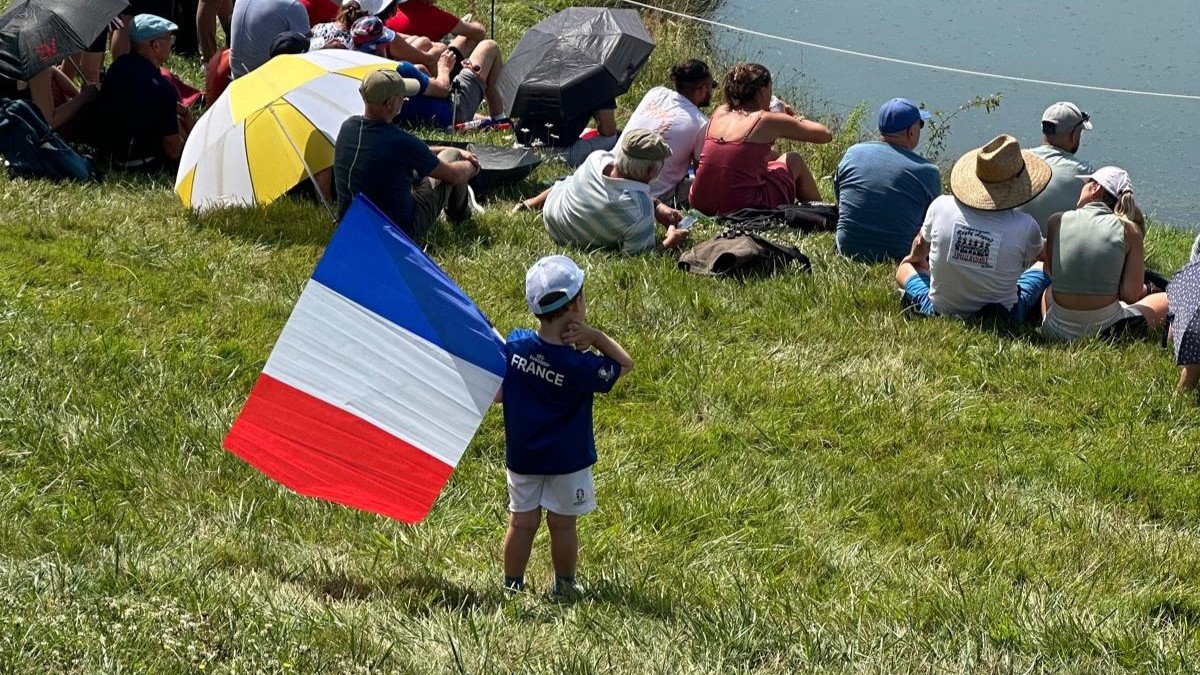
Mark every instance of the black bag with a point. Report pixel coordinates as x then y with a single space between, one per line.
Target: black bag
806 217
33 150
738 253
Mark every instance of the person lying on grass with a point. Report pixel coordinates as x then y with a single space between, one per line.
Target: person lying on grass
549 384
606 203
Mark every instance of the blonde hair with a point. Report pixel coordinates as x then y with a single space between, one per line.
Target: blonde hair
1127 210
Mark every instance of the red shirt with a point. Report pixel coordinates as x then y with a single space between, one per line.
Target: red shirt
320 11
218 76
418 18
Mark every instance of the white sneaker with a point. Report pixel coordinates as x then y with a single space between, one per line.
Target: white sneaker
473 206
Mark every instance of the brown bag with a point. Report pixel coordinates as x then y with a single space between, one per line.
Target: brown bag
737 253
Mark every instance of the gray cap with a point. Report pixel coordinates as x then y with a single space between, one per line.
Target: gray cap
645 144
1065 116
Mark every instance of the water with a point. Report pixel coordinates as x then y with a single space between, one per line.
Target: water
1109 43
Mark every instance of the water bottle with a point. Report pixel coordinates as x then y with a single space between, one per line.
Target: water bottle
498 122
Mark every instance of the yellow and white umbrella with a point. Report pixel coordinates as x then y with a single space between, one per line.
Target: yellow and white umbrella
272 128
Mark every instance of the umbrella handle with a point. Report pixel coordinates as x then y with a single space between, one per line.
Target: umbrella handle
307 168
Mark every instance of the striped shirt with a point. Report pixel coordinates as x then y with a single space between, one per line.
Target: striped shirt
592 210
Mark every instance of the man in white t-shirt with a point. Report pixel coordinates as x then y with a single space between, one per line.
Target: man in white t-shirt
975 249
675 115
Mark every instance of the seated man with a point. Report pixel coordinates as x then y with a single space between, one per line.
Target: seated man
675 115
443 101
606 203
255 25
145 125
395 170
975 248
1063 125
883 188
536 131
423 18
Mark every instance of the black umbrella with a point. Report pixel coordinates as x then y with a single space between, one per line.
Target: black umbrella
501 166
1183 297
573 61
36 34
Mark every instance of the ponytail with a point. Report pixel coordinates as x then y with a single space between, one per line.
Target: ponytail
1127 210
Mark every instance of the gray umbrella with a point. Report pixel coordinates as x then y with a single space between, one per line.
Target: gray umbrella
1183 297
573 61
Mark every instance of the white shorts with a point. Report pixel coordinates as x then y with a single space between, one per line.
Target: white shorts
1070 324
571 494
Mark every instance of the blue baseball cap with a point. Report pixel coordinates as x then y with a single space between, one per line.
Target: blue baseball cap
146 27
899 114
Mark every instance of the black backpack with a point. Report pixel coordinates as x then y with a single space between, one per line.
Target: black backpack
805 216
33 150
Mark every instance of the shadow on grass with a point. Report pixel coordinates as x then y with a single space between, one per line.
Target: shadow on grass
419 593
633 597
288 221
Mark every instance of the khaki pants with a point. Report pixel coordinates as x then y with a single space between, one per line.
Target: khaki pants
433 196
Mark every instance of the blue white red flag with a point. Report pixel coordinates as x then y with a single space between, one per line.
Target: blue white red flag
380 379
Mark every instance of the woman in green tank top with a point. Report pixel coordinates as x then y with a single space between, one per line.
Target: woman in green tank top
1096 258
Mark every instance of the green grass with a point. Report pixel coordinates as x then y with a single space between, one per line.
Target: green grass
796 478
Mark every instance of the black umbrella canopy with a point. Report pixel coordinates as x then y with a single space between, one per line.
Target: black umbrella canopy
501 166
36 34
573 61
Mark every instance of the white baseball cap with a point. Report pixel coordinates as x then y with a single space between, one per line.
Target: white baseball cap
552 274
1115 181
1065 116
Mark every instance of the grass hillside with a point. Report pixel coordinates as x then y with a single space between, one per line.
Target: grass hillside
796 478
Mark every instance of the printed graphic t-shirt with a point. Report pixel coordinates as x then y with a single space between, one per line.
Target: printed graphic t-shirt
548 392
976 257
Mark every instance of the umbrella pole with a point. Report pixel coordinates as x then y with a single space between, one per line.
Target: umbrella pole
307 169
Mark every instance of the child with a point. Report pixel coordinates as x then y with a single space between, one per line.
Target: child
547 395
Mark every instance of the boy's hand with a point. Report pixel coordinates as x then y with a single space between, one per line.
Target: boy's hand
580 335
675 237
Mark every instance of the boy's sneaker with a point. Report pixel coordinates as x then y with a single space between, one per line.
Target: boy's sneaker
565 589
514 584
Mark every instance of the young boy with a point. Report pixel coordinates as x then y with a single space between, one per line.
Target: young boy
547 395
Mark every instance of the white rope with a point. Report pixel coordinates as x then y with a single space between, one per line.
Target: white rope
918 64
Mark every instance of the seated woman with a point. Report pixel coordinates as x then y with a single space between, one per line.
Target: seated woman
1096 259
738 167
54 95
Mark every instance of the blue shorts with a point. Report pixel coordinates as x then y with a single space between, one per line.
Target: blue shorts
1030 287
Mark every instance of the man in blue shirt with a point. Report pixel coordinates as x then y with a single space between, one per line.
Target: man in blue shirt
883 188
395 170
547 393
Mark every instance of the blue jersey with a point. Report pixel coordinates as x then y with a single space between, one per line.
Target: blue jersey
548 392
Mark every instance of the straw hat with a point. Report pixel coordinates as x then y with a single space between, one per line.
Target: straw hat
999 176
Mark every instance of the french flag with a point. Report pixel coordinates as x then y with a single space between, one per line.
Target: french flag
380 379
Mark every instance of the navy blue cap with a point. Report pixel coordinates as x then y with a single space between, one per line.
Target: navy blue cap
899 114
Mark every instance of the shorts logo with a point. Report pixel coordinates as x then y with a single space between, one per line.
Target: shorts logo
580 496
605 373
